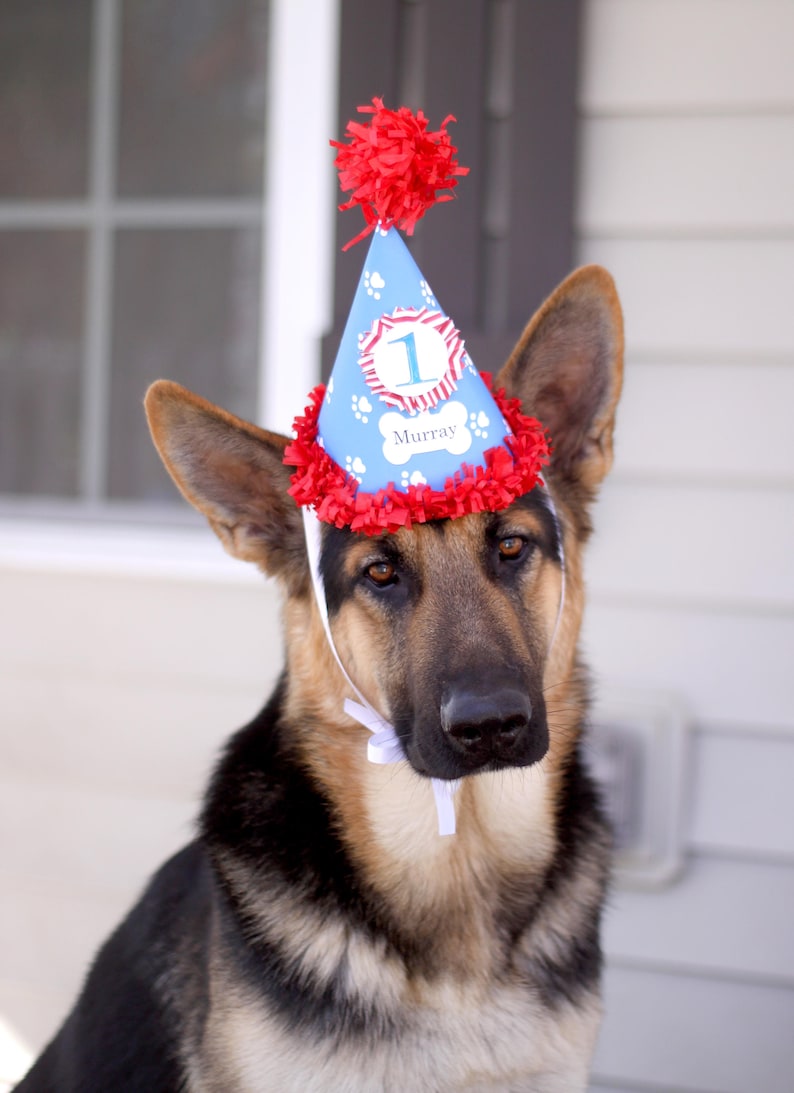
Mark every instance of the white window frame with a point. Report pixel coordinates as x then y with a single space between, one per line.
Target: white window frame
296 294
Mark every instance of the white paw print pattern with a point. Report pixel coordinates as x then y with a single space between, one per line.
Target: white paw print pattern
362 408
355 466
373 283
427 292
411 479
478 423
329 390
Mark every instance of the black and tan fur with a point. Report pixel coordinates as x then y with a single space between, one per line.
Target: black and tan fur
319 935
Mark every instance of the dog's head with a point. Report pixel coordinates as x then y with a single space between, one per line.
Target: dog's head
449 629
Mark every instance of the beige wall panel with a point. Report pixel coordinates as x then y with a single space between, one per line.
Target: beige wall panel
682 56
731 175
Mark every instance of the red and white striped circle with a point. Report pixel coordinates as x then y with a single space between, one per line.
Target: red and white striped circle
412 359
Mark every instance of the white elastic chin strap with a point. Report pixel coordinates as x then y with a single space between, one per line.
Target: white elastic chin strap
384 745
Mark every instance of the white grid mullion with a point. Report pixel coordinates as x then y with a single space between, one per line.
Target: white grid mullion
180 213
176 213
99 288
26 215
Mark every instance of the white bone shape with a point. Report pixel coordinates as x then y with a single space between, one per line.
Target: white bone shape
442 430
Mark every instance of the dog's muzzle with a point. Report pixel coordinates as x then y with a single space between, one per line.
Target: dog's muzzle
492 726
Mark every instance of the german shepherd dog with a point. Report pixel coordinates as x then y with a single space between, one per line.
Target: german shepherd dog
319 935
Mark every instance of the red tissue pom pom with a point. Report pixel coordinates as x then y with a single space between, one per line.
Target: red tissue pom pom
395 167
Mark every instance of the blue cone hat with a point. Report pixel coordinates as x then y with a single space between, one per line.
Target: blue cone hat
407 430
404 404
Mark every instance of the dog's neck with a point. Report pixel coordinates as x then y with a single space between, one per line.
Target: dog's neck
505 820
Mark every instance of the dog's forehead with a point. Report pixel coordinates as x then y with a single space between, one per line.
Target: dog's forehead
532 515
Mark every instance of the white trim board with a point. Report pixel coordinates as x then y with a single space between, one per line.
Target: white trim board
300 184
119 549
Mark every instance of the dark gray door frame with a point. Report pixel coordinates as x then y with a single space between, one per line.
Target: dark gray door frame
508 70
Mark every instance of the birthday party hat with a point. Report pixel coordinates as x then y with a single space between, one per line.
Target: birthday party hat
407 430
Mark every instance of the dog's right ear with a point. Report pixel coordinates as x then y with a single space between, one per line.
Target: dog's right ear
567 370
233 473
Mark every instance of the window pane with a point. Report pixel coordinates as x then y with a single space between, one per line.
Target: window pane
192 98
187 309
44 89
41 348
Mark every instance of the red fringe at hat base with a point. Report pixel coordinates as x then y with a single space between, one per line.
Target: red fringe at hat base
511 470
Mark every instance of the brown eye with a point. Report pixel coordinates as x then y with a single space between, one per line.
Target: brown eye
381 573
511 547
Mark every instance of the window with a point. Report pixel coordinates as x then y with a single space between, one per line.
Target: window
131 181
139 137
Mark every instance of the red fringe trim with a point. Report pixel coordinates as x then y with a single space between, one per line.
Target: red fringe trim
511 470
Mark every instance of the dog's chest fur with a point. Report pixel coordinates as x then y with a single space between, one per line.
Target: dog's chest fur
401 963
481 1029
446 1044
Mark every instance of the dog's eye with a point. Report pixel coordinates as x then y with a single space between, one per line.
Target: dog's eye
512 547
381 573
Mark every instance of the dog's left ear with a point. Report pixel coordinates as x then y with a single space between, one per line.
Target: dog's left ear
233 473
567 369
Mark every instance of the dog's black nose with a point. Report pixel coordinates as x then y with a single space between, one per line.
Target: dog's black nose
486 725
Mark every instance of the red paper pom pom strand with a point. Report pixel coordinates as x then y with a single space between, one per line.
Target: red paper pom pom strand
394 167
511 470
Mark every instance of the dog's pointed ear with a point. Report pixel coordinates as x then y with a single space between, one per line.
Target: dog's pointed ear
567 369
233 473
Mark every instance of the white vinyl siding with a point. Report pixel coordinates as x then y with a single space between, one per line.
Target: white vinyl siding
687 195
718 449
117 693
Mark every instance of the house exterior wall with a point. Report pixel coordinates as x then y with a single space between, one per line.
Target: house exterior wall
686 193
118 687
119 681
